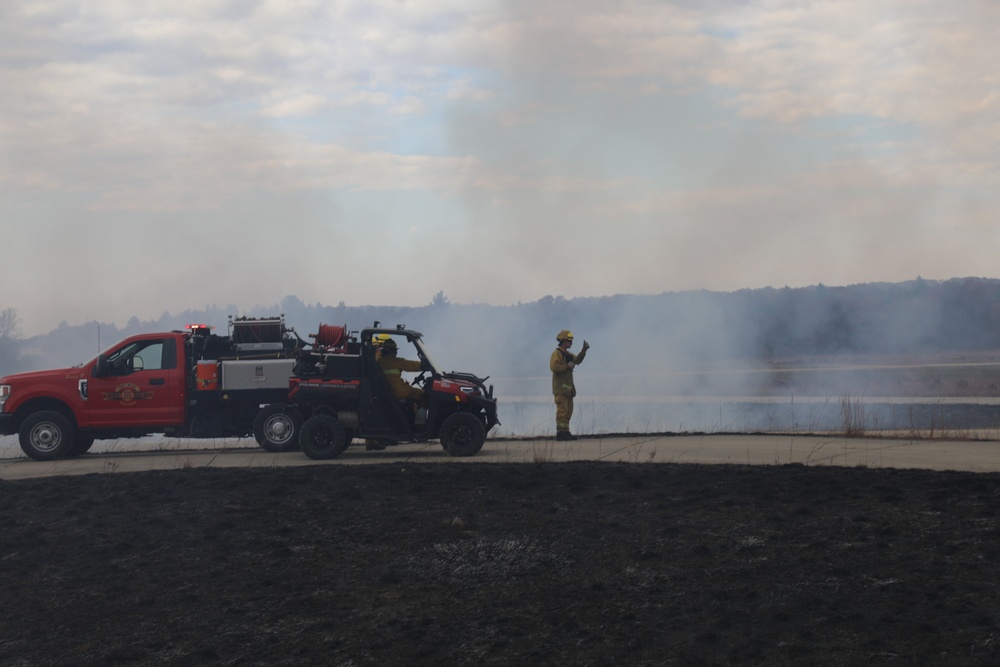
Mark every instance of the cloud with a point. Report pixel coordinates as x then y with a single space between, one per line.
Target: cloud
539 147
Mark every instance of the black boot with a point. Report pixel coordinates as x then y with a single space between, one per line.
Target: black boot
565 435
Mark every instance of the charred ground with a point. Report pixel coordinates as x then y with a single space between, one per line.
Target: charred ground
580 563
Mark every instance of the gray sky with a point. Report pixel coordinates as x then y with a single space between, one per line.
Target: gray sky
159 156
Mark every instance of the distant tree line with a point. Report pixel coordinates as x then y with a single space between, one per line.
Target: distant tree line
10 329
629 332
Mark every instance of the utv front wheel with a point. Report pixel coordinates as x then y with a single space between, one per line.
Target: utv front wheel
462 434
323 437
277 429
47 436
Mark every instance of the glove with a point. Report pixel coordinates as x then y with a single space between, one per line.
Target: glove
586 346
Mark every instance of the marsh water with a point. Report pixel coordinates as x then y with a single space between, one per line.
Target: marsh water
534 415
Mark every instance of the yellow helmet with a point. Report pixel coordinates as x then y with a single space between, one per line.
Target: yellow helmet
564 335
379 339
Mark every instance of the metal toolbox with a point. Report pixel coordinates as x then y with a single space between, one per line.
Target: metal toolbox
257 374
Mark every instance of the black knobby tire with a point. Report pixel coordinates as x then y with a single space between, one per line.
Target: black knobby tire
323 437
81 445
276 428
47 436
462 434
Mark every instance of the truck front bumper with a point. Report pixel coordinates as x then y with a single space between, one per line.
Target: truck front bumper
489 408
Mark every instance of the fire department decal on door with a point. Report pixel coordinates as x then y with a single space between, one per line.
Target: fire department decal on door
127 394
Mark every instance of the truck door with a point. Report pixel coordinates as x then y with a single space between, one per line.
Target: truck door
144 386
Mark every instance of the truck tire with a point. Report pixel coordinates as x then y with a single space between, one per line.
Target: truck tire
276 428
46 436
323 437
462 434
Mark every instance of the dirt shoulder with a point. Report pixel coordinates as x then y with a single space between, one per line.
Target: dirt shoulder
752 449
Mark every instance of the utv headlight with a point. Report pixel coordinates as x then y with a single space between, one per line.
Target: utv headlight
4 393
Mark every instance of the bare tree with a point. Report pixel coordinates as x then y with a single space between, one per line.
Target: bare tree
10 324
10 330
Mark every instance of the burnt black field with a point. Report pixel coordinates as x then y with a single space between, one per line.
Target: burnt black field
547 563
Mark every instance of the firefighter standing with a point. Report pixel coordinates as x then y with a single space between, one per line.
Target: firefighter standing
562 364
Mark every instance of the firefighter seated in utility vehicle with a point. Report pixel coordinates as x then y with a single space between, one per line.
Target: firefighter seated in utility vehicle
393 367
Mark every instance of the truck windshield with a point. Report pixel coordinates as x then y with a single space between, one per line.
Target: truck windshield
426 355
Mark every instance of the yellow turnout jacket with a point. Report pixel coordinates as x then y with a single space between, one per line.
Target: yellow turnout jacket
393 367
562 374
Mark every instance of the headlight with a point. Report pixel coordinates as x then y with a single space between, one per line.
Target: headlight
470 390
4 393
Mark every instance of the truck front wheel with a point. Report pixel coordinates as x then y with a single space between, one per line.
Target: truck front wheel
47 436
462 434
323 437
277 429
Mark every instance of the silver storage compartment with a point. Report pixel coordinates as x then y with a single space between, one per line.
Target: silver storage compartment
257 374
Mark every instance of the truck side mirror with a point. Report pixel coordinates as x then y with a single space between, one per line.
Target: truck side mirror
101 367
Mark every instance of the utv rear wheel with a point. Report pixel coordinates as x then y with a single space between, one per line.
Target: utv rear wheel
462 434
276 428
323 437
46 436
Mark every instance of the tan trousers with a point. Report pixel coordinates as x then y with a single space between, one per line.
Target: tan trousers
564 412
